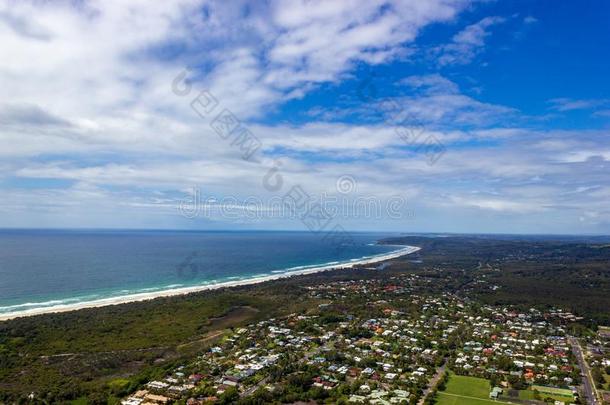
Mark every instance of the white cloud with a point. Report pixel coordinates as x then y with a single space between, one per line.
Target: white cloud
466 44
431 84
564 104
321 39
603 113
496 204
89 122
438 101
530 19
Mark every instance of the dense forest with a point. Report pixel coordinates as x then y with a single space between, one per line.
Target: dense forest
567 272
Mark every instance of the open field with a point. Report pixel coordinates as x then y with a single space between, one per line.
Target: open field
557 394
462 390
468 386
526 394
530 395
552 390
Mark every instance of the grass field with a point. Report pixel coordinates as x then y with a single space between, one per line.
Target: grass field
468 386
526 394
463 390
552 390
557 394
529 394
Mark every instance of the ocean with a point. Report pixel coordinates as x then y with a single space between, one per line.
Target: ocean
50 268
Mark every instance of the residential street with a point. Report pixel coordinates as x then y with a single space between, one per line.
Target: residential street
433 382
253 389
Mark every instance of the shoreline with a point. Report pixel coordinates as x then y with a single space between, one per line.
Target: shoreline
146 296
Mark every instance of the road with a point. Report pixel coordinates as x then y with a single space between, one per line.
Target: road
253 389
588 384
432 383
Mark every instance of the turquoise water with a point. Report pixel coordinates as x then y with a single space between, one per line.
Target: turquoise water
44 268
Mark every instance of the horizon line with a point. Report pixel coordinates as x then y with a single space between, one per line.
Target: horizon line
403 233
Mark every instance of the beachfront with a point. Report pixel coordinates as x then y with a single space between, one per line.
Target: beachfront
405 250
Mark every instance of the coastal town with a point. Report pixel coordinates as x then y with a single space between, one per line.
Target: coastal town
391 341
304 202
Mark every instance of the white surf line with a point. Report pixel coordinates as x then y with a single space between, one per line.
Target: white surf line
406 250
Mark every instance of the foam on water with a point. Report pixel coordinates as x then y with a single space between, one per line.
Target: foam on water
44 270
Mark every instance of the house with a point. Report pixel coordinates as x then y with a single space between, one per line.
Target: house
377 394
158 385
158 399
132 401
495 393
368 371
354 372
230 380
195 378
399 396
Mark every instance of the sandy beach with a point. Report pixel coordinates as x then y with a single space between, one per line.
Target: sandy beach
405 250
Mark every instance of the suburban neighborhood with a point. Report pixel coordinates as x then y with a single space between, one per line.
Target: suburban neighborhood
385 342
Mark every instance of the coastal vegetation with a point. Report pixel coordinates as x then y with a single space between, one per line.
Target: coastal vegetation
98 355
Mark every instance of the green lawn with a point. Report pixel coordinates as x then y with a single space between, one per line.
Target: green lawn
466 391
468 386
557 394
526 394
552 390
529 394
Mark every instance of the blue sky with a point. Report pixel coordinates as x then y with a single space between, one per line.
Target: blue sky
443 115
